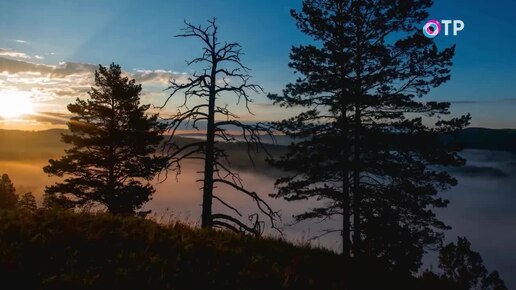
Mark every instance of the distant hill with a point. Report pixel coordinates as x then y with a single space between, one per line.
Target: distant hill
486 139
22 145
30 139
470 138
15 144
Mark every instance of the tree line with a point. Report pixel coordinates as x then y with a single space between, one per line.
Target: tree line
10 200
365 143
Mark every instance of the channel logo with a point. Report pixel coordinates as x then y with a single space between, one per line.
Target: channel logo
433 27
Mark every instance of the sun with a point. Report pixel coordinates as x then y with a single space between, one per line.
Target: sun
15 104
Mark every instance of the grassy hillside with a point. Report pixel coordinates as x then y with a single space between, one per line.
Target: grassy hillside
59 250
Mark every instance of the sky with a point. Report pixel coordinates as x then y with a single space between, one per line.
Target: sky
48 50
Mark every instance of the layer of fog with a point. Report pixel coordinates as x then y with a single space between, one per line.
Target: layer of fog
482 207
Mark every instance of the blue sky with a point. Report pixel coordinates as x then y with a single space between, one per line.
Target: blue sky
139 35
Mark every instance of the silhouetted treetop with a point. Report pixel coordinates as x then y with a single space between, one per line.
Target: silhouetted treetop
364 146
8 197
464 266
27 202
112 158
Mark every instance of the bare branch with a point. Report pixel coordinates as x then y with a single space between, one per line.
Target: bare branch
260 203
227 205
222 219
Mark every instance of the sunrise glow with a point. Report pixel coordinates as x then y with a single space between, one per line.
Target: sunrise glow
15 104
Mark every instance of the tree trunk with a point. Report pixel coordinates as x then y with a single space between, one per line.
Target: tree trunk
207 197
346 214
111 158
357 197
346 245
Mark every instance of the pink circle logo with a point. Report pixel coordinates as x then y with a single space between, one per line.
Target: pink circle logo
432 28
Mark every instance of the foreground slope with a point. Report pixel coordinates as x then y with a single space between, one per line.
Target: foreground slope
60 250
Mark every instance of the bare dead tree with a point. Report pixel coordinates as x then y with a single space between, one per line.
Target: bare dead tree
222 74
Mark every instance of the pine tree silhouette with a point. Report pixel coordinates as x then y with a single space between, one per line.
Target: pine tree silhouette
8 197
361 143
112 158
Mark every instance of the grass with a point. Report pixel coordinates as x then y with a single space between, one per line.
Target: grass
63 250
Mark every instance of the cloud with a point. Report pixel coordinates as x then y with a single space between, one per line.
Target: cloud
11 53
483 101
21 41
264 105
51 84
39 57
63 69
60 84
54 86
158 76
